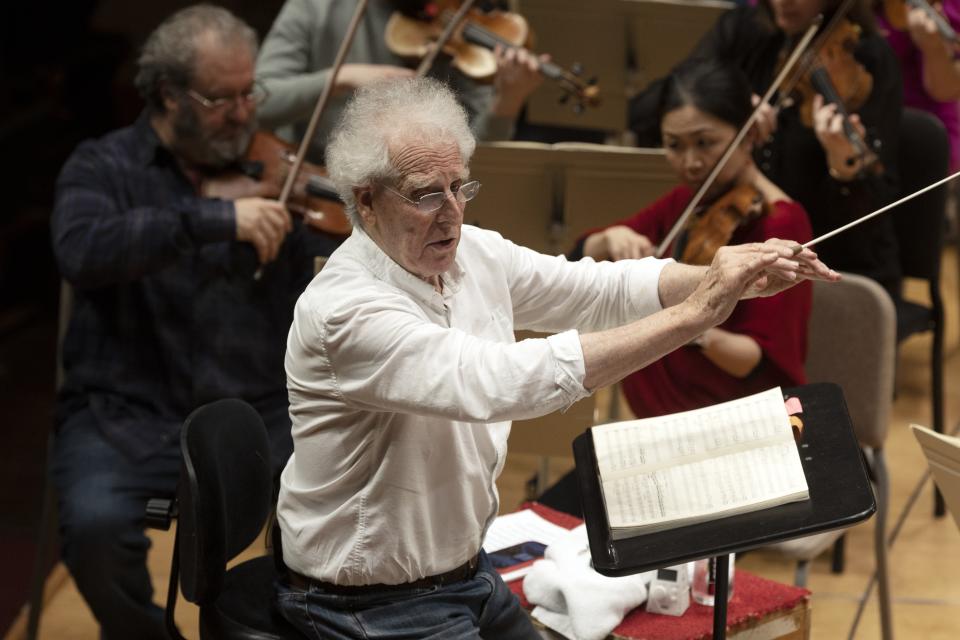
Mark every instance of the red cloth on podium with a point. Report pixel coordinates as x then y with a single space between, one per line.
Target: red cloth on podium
753 598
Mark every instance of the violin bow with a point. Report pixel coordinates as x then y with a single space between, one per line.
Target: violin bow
317 112
427 63
874 214
322 102
732 147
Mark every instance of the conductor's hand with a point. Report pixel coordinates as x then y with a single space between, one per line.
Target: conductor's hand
801 265
623 243
752 270
264 224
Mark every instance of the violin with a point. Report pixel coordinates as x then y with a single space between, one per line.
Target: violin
896 11
471 45
262 173
716 225
832 71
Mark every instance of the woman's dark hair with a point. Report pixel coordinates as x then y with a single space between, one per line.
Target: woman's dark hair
860 12
717 88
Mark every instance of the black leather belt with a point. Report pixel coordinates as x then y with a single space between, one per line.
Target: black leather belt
463 572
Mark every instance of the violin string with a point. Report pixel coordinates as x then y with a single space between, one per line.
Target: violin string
732 147
874 214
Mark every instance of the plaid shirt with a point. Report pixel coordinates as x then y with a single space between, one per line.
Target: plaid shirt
167 315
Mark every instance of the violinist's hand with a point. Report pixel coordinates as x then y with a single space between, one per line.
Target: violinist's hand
264 224
802 264
924 33
766 122
623 243
843 160
354 75
518 75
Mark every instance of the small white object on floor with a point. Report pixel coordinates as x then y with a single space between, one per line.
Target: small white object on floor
573 599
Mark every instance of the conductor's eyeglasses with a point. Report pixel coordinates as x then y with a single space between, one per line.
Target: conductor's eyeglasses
430 202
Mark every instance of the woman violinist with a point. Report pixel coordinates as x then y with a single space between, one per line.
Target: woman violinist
701 107
818 165
928 60
763 343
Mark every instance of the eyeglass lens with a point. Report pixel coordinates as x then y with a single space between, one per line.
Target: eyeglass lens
432 201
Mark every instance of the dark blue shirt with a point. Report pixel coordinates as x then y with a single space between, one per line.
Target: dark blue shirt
167 313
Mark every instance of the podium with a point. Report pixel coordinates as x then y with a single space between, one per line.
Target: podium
840 496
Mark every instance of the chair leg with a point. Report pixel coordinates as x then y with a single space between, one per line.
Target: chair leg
172 590
46 540
838 557
936 359
880 543
802 572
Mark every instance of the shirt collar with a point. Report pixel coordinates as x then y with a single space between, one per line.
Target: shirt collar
387 270
149 148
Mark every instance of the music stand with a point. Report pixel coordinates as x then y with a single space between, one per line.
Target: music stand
840 496
943 458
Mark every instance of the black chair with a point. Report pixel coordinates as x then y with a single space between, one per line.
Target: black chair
924 157
223 499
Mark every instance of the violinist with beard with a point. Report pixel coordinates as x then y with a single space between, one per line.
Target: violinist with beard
168 314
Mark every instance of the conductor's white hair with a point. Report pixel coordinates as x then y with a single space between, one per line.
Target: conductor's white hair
392 113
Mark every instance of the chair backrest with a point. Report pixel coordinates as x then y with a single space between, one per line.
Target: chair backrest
923 157
224 493
518 198
605 183
662 33
852 342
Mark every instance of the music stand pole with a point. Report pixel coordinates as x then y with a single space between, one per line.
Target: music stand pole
721 587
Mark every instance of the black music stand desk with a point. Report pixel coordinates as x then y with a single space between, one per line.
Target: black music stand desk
840 496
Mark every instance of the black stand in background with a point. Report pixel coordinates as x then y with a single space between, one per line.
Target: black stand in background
840 496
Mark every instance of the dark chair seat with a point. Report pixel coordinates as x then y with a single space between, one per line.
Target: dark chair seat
245 608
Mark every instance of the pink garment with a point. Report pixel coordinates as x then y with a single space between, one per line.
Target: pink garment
911 67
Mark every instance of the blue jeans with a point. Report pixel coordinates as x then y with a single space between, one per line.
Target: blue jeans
102 502
480 607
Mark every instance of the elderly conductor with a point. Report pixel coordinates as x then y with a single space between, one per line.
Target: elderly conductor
404 374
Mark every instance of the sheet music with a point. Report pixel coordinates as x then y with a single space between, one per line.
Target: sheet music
518 527
724 459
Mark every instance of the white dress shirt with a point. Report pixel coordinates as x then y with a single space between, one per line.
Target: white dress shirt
401 397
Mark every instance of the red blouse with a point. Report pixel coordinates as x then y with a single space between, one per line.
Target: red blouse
686 379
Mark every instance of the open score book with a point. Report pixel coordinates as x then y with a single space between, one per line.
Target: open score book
685 468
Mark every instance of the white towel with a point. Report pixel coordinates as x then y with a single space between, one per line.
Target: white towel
575 600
